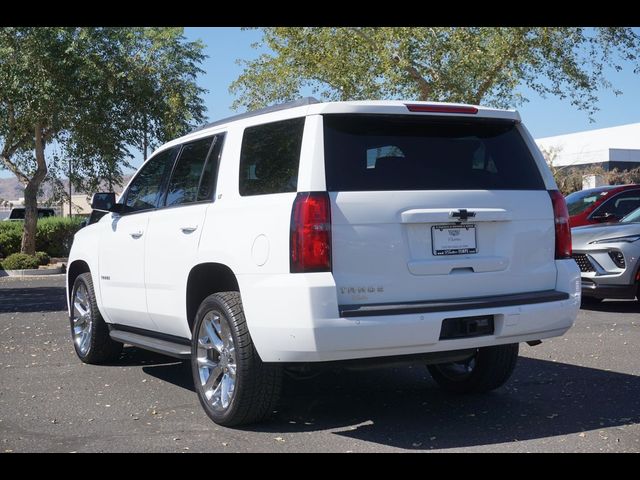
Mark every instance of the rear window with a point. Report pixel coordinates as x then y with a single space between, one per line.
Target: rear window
18 213
384 152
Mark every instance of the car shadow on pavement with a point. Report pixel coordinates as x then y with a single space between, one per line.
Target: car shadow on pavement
138 357
162 367
613 306
32 299
178 373
402 407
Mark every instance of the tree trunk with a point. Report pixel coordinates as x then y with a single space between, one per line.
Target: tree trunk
30 218
31 197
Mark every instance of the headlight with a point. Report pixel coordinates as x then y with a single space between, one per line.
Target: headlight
627 239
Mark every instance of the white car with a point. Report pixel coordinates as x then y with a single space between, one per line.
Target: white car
330 233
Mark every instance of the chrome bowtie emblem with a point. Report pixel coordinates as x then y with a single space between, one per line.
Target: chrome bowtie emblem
462 214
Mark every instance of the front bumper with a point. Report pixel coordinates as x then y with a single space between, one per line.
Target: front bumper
591 288
602 278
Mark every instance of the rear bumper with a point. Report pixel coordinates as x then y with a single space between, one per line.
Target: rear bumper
473 303
307 325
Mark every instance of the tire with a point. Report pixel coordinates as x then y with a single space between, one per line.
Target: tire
487 370
233 385
89 331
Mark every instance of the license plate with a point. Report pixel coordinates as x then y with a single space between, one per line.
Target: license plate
453 239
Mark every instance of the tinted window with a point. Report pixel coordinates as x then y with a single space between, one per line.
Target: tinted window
19 213
381 152
270 156
210 173
579 201
185 179
144 191
621 204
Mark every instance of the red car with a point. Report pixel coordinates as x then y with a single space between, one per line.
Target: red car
607 204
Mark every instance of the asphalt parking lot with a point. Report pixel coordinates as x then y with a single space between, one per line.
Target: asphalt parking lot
577 393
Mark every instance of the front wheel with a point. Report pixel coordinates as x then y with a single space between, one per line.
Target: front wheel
89 331
234 386
488 369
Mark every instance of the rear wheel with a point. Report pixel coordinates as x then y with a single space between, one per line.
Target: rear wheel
487 370
234 386
89 331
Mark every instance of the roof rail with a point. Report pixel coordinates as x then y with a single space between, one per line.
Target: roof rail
273 108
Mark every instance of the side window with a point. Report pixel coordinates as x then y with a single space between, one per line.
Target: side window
270 157
620 204
210 172
185 179
144 191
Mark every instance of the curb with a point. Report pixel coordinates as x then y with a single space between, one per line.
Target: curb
35 272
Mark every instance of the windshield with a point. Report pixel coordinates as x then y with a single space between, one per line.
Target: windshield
579 201
632 217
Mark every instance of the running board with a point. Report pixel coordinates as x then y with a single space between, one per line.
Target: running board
166 347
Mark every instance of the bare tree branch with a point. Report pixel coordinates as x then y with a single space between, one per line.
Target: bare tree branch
423 85
14 168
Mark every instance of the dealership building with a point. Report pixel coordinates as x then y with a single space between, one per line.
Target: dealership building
614 147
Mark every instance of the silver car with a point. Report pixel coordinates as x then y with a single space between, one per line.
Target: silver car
608 258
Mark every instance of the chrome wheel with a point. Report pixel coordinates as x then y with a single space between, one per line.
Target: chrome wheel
216 360
82 322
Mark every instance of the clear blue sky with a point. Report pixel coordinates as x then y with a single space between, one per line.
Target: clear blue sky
543 117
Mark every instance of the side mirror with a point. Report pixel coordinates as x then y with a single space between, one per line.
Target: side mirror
104 201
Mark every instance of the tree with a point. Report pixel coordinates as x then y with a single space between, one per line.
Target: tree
78 94
470 65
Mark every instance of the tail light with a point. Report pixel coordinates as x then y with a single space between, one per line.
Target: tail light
310 243
561 219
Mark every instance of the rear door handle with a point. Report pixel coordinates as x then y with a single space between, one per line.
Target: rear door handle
137 234
189 229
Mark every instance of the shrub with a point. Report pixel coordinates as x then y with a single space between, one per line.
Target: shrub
54 236
10 238
43 258
20 261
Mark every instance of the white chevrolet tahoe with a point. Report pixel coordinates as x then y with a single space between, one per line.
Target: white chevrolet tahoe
330 234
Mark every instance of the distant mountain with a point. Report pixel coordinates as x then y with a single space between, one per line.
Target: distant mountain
10 189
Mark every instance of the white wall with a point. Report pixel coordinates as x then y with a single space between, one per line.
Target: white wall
620 144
